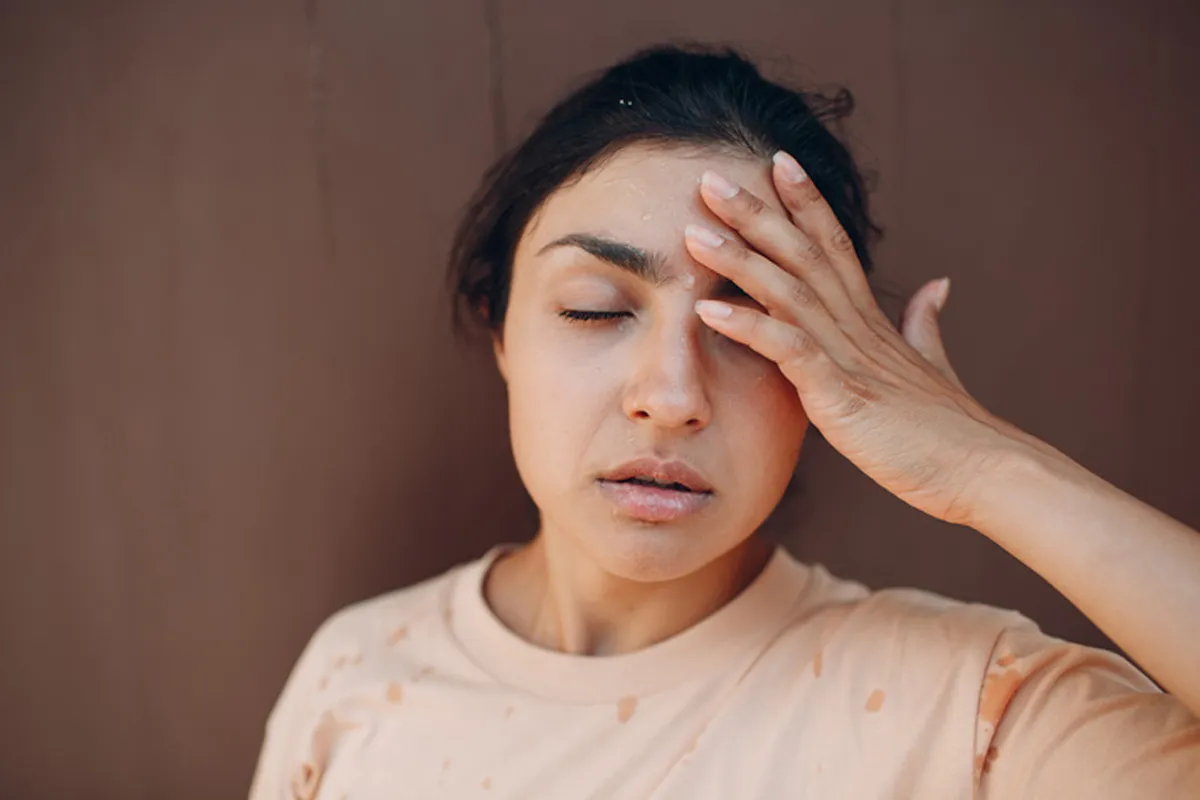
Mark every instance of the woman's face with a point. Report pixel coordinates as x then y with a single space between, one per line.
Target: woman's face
644 387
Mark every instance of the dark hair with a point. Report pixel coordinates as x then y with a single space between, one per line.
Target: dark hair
666 95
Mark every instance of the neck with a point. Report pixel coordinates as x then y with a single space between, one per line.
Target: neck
552 594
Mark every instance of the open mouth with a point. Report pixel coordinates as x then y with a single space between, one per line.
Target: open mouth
648 500
640 481
655 490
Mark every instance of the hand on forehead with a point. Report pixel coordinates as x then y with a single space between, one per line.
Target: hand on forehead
647 197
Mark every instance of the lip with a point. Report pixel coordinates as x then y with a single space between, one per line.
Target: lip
655 504
661 471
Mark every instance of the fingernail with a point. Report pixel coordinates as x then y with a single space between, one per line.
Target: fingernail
713 309
703 236
718 185
943 292
790 167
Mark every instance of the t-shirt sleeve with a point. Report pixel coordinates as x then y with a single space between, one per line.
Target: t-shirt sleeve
274 776
1057 720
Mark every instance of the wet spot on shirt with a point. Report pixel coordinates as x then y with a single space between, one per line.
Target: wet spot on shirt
448 614
323 684
339 662
508 712
997 691
446 764
424 673
983 762
356 660
625 708
818 660
1006 661
487 783
875 701
395 693
397 635
306 781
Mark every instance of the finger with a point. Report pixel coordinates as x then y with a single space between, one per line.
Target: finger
772 233
812 214
921 328
800 357
783 295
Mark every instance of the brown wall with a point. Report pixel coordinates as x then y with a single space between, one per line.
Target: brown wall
230 403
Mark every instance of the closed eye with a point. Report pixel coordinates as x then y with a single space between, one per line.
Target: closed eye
575 315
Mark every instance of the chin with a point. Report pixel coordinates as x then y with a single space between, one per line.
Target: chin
650 552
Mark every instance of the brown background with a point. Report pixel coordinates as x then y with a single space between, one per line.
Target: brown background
230 400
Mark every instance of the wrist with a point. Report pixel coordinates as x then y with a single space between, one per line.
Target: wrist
1022 477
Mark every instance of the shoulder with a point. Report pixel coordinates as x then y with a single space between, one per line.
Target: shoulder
362 631
379 617
917 648
889 677
911 623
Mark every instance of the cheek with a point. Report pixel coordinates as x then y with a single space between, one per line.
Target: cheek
555 401
769 418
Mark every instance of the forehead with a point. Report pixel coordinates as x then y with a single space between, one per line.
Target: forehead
645 196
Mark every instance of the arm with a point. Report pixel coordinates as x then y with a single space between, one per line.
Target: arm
890 402
276 773
1133 570
1060 720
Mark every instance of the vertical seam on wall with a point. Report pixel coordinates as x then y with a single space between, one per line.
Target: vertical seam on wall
1160 44
317 119
900 132
900 98
491 14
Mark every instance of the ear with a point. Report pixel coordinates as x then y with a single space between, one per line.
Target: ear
498 351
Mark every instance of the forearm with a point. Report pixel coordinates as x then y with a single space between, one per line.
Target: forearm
1133 570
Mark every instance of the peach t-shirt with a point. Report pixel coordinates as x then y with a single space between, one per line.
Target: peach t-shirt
803 686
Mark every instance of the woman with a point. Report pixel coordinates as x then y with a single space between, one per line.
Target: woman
673 300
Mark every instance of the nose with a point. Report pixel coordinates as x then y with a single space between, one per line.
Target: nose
668 386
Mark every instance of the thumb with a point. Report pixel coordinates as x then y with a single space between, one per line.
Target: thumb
920 327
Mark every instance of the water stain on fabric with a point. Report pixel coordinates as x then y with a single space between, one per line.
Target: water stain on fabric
875 701
818 661
487 783
395 693
983 761
997 692
625 708
398 635
508 712
306 781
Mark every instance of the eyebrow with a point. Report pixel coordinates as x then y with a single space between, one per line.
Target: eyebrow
648 265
